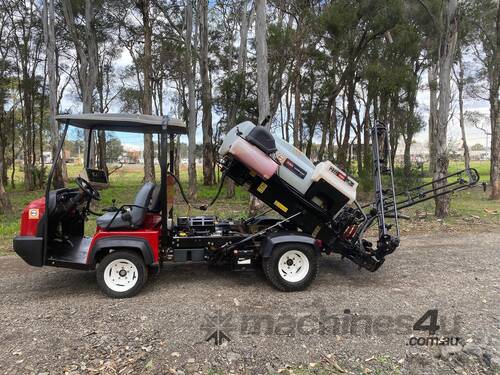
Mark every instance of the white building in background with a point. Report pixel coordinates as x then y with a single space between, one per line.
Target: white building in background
420 150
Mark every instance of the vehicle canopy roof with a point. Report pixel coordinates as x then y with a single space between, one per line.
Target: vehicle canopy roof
123 122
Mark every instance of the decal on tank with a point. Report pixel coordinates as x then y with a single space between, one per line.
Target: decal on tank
294 168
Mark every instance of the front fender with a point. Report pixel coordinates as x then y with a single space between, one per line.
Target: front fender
270 241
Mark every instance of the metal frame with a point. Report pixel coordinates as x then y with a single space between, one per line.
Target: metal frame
48 187
387 202
163 155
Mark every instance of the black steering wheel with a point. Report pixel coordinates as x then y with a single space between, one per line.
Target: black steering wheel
88 189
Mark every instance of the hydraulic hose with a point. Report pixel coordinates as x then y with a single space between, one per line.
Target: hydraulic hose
180 188
221 183
203 207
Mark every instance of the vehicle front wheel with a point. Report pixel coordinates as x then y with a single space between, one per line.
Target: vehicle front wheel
121 274
291 266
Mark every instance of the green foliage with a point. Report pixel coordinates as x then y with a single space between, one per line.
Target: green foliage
365 180
404 181
477 147
39 175
114 148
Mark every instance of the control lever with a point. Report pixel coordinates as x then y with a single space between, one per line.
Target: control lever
113 207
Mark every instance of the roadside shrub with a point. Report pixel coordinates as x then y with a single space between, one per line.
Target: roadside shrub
403 181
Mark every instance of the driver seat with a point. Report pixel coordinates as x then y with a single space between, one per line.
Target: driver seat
132 218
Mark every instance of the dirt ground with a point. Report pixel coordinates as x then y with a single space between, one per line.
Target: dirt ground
349 321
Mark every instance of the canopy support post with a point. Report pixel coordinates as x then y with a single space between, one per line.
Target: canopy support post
163 154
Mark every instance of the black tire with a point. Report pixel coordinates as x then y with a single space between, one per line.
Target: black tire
141 275
271 267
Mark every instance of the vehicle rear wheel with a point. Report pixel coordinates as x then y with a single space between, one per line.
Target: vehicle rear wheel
291 266
121 274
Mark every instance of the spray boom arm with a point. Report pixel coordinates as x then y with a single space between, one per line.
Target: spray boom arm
387 202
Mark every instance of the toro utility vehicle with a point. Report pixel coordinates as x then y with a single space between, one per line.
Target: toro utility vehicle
317 205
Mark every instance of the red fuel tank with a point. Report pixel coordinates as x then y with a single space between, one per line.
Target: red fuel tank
31 216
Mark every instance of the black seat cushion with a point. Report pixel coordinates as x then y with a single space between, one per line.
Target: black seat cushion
133 217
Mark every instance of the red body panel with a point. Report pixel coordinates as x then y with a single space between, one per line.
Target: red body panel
31 216
150 232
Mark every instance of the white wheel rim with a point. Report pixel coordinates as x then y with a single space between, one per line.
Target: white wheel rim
293 266
120 275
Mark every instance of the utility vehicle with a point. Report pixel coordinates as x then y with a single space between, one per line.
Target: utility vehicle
316 203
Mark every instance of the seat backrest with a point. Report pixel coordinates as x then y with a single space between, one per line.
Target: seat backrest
155 204
142 199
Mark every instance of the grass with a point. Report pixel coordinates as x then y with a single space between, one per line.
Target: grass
471 207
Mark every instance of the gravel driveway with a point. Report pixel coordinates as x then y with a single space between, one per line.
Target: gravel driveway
56 320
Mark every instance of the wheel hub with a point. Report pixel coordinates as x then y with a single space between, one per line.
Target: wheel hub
293 266
121 275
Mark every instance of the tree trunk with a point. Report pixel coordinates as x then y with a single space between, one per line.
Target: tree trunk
87 56
460 86
344 147
262 64
101 151
324 133
242 63
288 102
3 146
206 98
177 165
408 139
262 75
447 49
191 101
5 205
332 128
297 124
240 89
432 76
147 107
50 42
13 148
29 183
41 176
495 116
359 141
367 158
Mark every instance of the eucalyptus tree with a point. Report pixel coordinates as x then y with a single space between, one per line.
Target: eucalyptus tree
144 7
80 22
351 27
262 63
26 35
229 37
442 44
485 16
49 20
5 204
190 78
206 96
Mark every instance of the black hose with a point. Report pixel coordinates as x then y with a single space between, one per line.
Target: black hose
180 188
203 207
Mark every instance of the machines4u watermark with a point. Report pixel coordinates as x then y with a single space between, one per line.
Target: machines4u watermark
220 327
